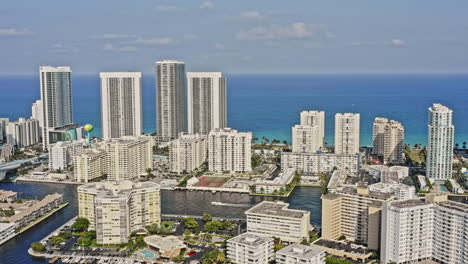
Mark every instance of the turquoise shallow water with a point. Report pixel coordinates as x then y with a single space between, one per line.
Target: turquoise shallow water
269 105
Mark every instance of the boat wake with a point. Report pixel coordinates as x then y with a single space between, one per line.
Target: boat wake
230 204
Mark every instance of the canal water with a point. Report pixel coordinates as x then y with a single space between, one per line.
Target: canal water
172 202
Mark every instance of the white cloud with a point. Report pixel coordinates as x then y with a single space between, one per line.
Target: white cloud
251 15
13 32
190 36
155 41
111 47
165 8
298 30
207 4
113 36
219 46
397 42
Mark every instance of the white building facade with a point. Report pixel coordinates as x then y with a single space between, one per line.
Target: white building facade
206 99
61 154
121 110
23 133
319 163
90 165
309 135
300 254
249 248
188 152
441 133
229 150
37 113
347 132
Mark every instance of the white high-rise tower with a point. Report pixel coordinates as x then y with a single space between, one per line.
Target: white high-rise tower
388 136
347 133
206 96
171 98
309 135
440 143
56 97
37 114
121 104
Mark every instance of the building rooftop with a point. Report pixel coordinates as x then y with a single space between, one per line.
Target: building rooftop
111 189
300 251
33 208
250 239
6 194
371 193
276 209
440 108
409 203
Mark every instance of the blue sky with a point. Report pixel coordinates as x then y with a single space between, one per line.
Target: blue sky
236 36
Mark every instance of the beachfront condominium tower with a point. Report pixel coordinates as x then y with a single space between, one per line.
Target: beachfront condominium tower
206 99
121 104
308 136
388 136
440 143
347 133
171 98
56 97
188 152
229 150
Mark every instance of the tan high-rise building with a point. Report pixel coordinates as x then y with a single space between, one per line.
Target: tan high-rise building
347 133
353 212
229 150
115 210
90 165
206 100
388 138
188 152
128 157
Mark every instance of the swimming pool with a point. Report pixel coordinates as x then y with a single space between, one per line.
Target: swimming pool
147 254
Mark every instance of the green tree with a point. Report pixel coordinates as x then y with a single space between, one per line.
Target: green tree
227 225
212 257
81 224
56 240
207 217
190 223
64 235
84 241
38 247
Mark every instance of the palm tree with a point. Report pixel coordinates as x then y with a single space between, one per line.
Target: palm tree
220 257
464 144
285 142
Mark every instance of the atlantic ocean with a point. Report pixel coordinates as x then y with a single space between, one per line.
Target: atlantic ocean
269 105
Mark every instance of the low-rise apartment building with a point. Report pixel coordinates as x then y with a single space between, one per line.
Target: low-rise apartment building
300 254
275 219
319 163
249 248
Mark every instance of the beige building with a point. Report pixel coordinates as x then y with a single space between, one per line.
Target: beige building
229 150
319 163
188 152
91 164
275 219
249 248
128 157
353 212
388 140
347 132
115 210
300 254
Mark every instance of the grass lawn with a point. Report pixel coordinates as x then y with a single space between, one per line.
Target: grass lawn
416 155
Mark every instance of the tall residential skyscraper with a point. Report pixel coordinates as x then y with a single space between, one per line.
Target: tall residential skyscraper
440 143
121 104
56 97
388 139
37 113
171 98
347 133
23 133
188 152
309 135
206 97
